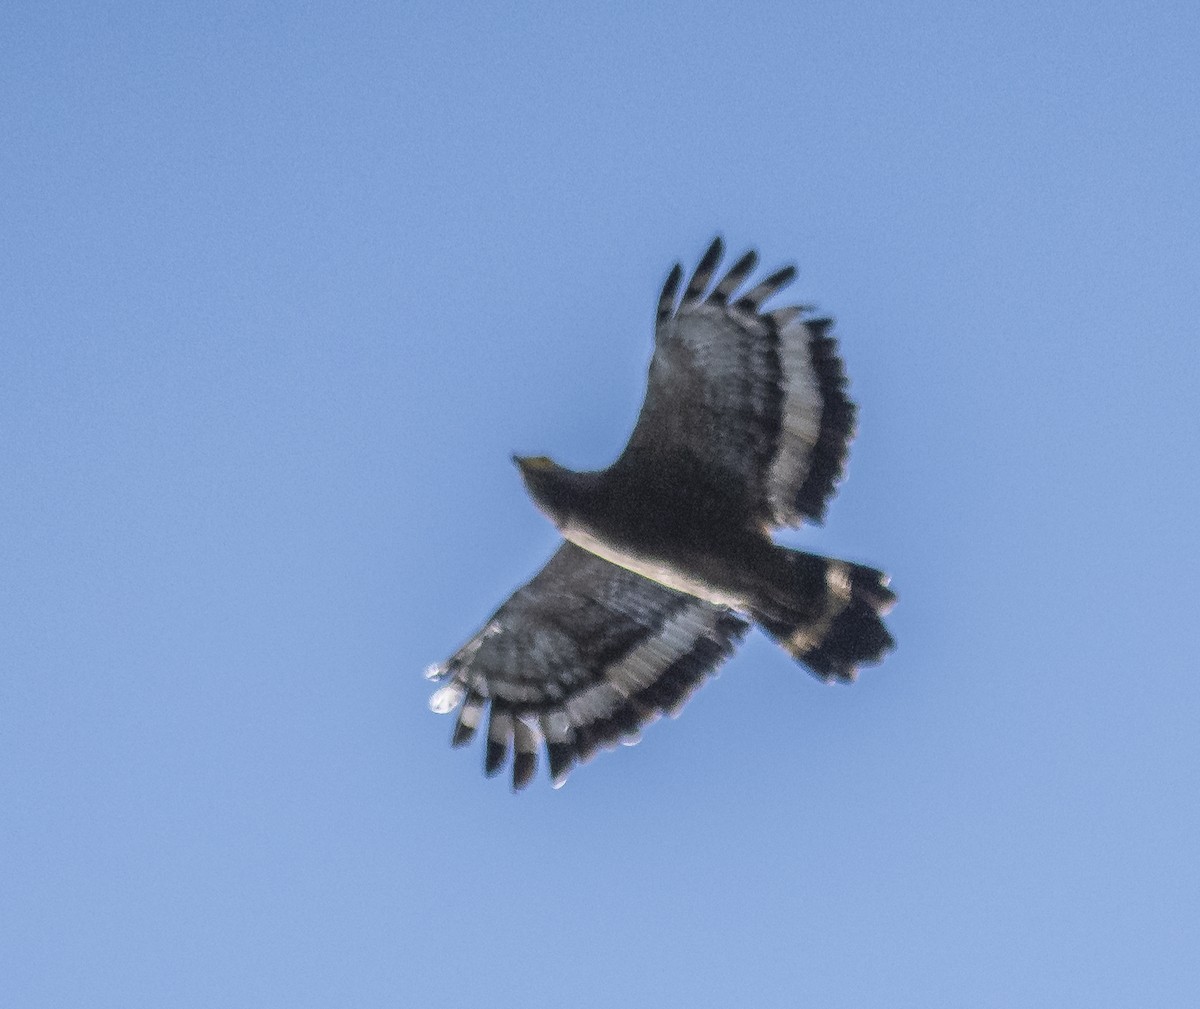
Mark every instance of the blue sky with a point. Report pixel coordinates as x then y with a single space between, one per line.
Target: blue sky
282 289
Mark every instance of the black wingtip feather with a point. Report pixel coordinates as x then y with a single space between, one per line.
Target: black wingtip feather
704 270
496 754
734 278
776 282
560 756
524 766
525 747
586 743
666 300
468 719
499 737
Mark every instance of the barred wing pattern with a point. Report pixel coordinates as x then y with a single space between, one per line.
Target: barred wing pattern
581 657
758 397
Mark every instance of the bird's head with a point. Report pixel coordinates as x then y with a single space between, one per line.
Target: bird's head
548 483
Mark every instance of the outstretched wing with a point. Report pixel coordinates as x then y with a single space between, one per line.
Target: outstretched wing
758 398
581 657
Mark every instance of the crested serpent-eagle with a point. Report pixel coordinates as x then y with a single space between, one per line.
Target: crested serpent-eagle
668 556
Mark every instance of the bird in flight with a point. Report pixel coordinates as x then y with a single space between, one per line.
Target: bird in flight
667 556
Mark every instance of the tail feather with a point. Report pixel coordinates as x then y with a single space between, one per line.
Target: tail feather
827 613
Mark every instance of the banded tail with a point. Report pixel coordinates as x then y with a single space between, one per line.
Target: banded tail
826 613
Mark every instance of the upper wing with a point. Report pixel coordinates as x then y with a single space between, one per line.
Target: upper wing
582 656
756 397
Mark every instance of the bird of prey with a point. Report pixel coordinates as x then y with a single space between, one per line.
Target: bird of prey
667 556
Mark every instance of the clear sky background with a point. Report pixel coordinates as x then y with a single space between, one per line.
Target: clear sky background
282 287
